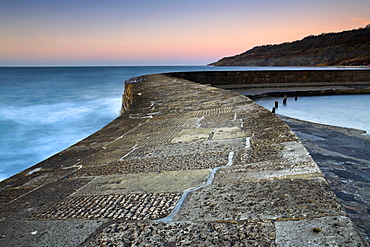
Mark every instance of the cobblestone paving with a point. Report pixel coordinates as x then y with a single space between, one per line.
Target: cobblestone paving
128 207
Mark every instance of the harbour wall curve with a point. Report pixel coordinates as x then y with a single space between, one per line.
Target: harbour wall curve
285 82
116 186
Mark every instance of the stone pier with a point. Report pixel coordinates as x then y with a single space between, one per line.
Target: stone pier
185 164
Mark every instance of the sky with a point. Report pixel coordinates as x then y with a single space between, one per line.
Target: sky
161 32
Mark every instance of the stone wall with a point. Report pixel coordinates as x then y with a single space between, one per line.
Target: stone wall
275 76
127 95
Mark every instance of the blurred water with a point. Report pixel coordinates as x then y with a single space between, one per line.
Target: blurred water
352 111
44 110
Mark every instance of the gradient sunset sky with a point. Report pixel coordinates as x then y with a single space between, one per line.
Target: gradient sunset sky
161 32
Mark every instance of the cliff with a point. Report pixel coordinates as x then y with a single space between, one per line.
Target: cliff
347 48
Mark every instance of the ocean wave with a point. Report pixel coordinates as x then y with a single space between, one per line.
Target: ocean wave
31 134
61 112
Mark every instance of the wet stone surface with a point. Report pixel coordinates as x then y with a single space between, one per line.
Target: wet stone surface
343 156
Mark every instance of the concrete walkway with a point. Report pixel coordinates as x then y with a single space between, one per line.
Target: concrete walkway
185 165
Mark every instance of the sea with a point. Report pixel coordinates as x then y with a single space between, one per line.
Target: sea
350 111
44 110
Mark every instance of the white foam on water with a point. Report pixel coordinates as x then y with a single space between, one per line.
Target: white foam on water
40 131
45 110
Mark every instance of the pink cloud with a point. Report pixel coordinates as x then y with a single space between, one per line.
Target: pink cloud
311 23
362 21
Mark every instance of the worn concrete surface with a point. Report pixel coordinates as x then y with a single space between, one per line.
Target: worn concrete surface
146 182
46 232
227 171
